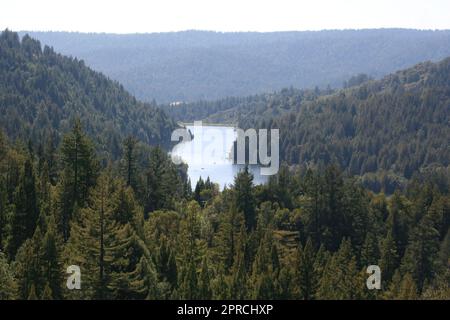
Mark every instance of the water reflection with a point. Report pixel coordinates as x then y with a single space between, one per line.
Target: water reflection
209 154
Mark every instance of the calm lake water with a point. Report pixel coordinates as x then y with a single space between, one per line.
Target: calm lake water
209 154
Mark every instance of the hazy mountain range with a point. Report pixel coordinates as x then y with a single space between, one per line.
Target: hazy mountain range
194 65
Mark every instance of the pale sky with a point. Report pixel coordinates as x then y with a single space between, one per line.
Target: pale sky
130 16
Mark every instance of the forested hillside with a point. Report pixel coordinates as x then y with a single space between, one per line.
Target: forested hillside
384 131
138 232
43 92
136 229
199 65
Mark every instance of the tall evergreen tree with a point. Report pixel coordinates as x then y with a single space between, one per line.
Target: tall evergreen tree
162 183
389 257
341 279
80 171
244 197
370 253
143 282
306 276
166 264
28 266
205 292
102 246
238 277
26 210
130 161
421 256
227 237
50 261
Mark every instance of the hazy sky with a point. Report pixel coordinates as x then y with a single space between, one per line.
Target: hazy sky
130 16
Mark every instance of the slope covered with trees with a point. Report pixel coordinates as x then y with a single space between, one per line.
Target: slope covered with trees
200 65
42 93
305 235
383 130
136 229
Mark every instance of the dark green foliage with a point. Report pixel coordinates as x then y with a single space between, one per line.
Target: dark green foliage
244 197
79 175
422 252
205 191
306 274
129 159
41 92
209 251
163 184
384 131
26 211
310 233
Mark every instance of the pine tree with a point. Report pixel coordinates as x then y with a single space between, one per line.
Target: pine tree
286 282
341 278
79 175
313 189
238 277
396 222
205 292
421 256
227 237
192 250
26 210
306 277
129 158
125 207
370 253
264 288
50 255
143 282
163 184
389 257
28 267
189 282
263 277
166 264
106 250
334 227
199 187
126 254
244 197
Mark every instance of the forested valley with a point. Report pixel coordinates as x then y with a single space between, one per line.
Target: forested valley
383 131
92 185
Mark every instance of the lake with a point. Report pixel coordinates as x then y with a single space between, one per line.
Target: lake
209 154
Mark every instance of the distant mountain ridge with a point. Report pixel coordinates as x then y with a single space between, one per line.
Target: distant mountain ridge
201 65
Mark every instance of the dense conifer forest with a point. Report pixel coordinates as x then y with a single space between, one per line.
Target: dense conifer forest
42 92
384 131
92 185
